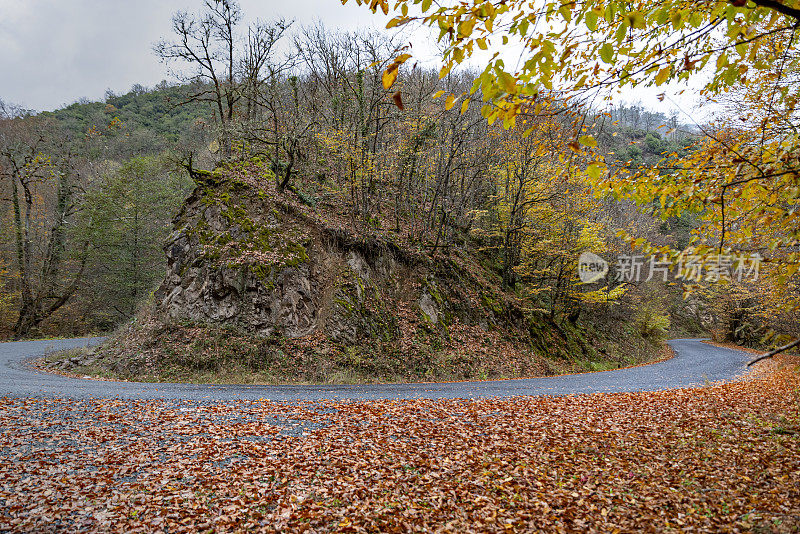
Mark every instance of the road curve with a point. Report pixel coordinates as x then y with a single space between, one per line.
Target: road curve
695 363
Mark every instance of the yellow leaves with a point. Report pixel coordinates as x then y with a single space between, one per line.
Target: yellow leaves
663 74
522 27
632 38
566 11
676 18
587 140
451 100
591 237
636 20
622 32
375 4
662 15
465 27
722 61
604 295
390 74
507 82
399 21
445 69
607 53
591 20
595 169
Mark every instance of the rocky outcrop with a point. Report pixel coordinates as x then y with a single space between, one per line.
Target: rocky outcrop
226 266
258 283
238 257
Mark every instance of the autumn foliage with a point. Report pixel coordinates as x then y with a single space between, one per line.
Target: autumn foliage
740 178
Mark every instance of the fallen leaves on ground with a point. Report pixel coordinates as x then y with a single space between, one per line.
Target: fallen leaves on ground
718 458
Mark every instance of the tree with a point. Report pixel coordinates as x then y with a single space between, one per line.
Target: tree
268 104
648 43
208 44
348 103
44 198
223 71
127 218
742 180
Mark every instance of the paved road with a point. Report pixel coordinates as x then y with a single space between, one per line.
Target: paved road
694 364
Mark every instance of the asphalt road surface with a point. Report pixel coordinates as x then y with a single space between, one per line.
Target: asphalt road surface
695 364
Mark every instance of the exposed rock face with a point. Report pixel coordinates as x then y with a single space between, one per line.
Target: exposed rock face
428 307
225 266
238 258
201 291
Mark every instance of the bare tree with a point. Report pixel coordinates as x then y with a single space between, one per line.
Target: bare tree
226 69
43 200
207 44
261 68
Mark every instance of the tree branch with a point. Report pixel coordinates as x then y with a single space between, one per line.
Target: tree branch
772 353
779 7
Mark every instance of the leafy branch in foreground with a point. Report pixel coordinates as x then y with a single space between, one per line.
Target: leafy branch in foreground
741 179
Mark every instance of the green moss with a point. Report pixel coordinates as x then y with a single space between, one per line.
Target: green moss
237 216
433 291
295 255
345 304
237 186
215 196
491 303
261 271
215 175
223 239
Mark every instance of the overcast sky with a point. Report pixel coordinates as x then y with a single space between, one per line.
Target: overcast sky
54 52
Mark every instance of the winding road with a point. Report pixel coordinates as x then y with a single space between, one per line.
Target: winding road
695 363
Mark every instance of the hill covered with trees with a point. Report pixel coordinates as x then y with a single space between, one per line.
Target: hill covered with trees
305 167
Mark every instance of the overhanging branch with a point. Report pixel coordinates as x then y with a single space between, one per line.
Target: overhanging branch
772 353
779 7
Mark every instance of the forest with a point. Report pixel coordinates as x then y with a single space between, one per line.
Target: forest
313 282
343 124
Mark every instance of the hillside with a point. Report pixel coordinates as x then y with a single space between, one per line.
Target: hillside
261 287
141 121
